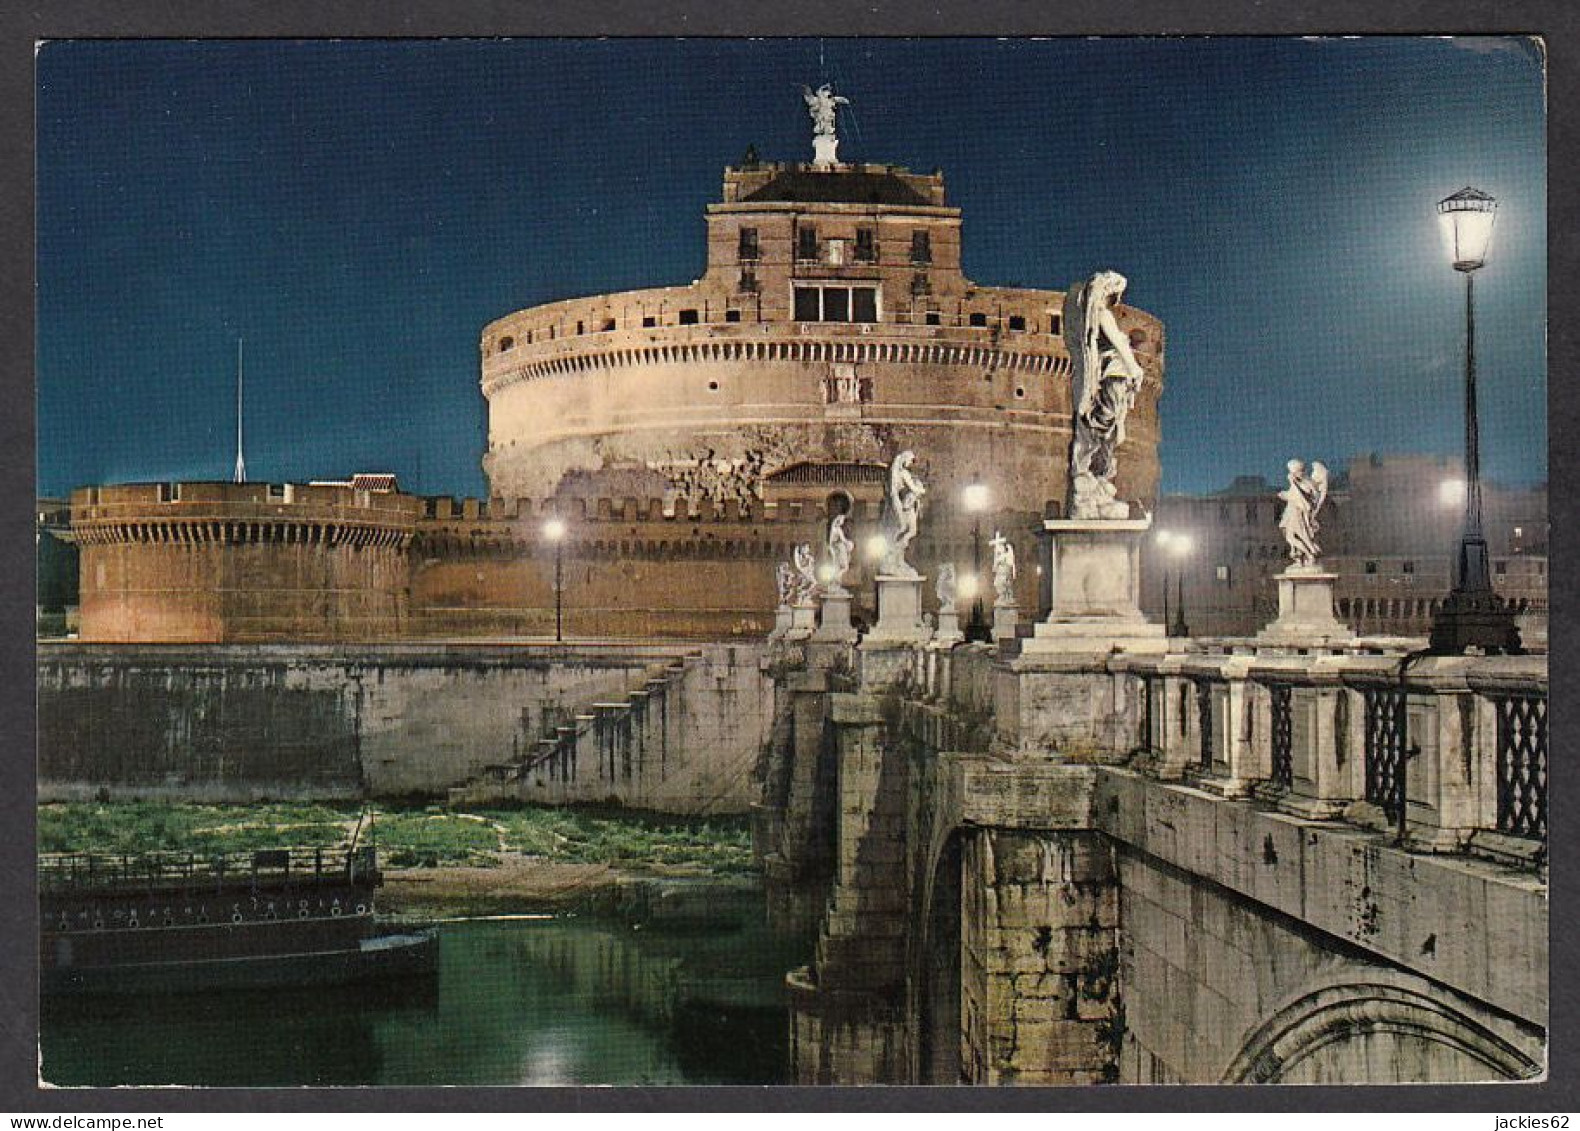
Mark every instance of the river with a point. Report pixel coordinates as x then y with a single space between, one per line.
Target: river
654 998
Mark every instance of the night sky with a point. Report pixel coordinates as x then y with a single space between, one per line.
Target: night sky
357 211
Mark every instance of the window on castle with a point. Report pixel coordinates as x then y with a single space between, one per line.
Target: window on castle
1371 567
580 329
978 319
277 490
506 343
806 243
866 250
1016 322
169 492
836 304
921 246
688 317
608 324
1500 568
1056 324
1250 514
748 284
932 318
648 321
1222 574
1407 567
747 251
732 315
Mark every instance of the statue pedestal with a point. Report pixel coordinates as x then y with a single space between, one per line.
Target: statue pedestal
825 151
948 631
1305 610
781 622
1095 573
899 612
835 626
803 621
1005 617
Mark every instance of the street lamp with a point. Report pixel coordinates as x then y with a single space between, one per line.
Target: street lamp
1176 546
975 500
1472 616
554 531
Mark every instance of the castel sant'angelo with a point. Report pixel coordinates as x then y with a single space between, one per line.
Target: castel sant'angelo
688 437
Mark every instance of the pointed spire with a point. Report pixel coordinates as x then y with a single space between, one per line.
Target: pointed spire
241 463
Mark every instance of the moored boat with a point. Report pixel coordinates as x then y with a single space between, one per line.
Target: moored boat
172 922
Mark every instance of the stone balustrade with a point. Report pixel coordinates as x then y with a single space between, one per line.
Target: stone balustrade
1449 752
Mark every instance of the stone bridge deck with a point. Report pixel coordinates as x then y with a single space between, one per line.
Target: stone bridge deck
1104 873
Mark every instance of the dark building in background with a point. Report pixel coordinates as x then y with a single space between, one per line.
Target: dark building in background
55 568
1389 530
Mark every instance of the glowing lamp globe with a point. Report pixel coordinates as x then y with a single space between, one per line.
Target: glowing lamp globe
1467 219
554 529
975 498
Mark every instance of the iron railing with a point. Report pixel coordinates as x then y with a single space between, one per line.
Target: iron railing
1522 765
1283 772
1386 740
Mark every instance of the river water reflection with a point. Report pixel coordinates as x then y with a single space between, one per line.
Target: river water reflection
521 1001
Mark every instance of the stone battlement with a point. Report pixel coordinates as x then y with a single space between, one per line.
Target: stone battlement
207 513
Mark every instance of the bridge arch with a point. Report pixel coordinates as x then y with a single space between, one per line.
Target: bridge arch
1348 1033
937 973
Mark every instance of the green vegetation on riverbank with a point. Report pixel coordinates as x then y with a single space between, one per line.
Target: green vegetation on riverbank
409 836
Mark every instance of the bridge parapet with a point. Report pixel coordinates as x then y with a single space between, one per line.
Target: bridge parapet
1448 752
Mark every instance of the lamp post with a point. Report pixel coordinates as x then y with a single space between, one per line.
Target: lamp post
1176 545
554 531
975 500
1473 615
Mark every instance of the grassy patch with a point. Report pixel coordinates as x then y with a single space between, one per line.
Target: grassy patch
407 836
626 840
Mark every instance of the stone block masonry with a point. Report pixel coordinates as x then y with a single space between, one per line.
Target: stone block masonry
240 723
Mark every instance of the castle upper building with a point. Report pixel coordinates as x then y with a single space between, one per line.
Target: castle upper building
833 324
689 437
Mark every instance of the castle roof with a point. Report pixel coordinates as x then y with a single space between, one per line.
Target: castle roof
836 187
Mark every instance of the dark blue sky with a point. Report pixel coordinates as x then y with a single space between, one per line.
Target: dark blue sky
358 210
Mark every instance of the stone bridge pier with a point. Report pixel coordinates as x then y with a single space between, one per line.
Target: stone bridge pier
1022 873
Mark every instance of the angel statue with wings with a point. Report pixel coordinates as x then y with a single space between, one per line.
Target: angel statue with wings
822 104
1107 378
805 574
1004 570
1303 498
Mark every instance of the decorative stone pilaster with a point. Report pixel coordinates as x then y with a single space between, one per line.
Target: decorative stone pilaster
834 625
1095 565
1305 611
899 612
803 620
1006 616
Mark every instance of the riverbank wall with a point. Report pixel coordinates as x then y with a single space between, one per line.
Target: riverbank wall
319 722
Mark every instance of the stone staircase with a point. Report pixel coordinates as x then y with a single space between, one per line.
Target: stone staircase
616 751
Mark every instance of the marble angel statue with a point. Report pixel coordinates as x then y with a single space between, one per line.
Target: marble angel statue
1106 378
1303 498
1004 571
902 510
840 547
947 586
805 574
